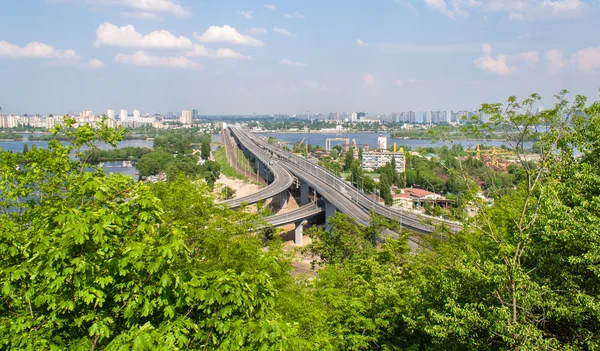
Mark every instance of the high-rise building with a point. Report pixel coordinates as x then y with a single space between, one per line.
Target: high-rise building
361 115
186 118
353 117
382 142
86 113
136 115
195 113
123 115
110 114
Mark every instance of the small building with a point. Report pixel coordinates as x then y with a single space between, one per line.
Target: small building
371 160
417 198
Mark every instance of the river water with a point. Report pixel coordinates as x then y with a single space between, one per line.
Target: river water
109 167
371 140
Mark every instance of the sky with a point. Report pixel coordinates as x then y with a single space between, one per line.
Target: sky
266 57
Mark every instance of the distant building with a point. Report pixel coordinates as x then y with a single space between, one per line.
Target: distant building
123 115
110 114
382 142
186 118
353 117
372 160
195 114
136 115
86 114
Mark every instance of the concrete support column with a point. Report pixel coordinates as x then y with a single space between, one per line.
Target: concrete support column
329 212
299 232
261 169
283 199
303 193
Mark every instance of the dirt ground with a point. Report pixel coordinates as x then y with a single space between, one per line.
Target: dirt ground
241 187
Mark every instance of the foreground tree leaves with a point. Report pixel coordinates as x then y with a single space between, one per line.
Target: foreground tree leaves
88 261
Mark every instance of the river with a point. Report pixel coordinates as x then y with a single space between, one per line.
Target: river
109 167
371 140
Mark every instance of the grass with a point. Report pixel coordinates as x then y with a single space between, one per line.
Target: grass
227 170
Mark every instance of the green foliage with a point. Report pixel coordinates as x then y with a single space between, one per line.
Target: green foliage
10 136
205 149
126 153
348 159
97 262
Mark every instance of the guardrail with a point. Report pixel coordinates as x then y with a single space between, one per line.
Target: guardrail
411 221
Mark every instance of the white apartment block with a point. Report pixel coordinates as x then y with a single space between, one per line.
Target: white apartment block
372 160
186 117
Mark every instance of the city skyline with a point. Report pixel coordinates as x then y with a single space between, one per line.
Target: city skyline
275 57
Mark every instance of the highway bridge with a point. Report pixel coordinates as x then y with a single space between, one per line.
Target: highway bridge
278 178
338 194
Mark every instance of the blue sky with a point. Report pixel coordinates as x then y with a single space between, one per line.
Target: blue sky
243 57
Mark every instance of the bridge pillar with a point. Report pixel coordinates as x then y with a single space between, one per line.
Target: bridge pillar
283 199
303 193
329 212
299 232
261 169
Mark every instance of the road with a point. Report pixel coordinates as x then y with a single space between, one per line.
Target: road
282 178
344 196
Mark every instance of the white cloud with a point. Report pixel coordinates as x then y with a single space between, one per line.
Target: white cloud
95 64
230 54
172 7
201 51
369 80
517 10
143 15
282 31
257 31
555 61
270 7
108 34
405 82
247 14
227 34
409 7
531 57
498 65
162 6
440 6
291 63
295 15
587 60
361 43
140 58
36 50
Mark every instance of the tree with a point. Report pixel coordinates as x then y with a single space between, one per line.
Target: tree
205 149
523 274
385 189
349 158
334 154
99 262
353 301
360 154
